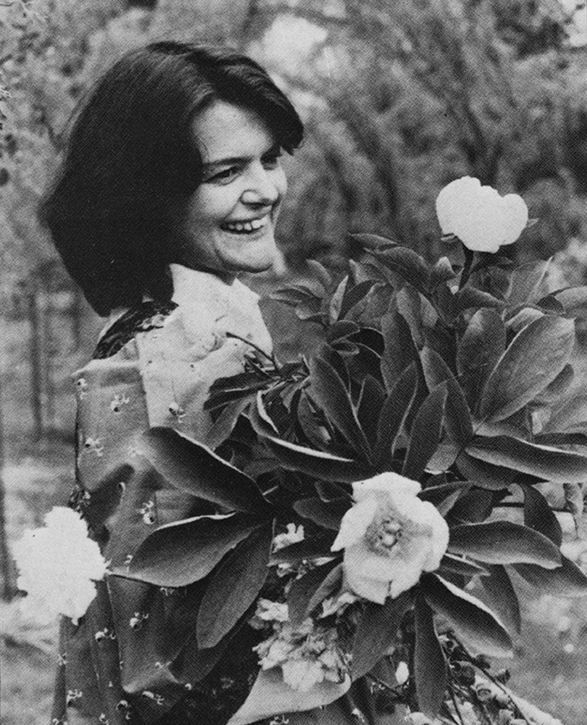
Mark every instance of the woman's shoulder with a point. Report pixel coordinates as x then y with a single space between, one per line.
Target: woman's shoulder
148 315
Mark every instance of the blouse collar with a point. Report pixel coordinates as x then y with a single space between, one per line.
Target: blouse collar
200 290
211 307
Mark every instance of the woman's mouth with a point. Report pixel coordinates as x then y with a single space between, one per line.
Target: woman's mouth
245 227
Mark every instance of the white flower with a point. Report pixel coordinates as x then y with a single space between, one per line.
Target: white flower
307 654
416 718
292 536
58 565
302 675
269 611
481 218
402 673
336 604
390 537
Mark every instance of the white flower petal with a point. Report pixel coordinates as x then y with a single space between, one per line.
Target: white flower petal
402 673
368 588
449 199
479 216
385 483
58 565
377 563
515 217
354 523
302 675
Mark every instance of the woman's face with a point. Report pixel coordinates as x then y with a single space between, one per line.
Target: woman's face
228 225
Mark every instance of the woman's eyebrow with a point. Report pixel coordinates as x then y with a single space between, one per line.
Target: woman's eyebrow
239 159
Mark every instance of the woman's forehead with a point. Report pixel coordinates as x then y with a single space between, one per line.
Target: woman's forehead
225 132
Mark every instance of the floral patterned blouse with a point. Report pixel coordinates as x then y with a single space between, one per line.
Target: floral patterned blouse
133 658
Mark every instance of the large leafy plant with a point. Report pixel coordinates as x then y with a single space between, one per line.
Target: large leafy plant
456 376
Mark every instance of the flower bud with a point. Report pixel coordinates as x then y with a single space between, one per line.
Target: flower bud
481 218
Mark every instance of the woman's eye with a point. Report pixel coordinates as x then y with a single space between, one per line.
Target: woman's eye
271 161
224 176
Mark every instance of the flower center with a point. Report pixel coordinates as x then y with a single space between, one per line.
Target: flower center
383 534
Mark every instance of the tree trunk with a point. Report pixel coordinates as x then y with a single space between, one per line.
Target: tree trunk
36 359
46 344
7 572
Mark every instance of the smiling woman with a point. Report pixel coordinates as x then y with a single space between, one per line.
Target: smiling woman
229 222
171 185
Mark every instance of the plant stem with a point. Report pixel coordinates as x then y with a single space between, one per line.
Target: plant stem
466 273
268 356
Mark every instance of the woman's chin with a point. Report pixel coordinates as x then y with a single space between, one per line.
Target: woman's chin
258 256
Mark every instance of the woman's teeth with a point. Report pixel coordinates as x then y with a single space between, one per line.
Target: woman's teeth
245 227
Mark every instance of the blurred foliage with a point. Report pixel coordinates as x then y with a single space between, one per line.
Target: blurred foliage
399 99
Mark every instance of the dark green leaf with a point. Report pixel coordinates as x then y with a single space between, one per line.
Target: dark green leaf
234 587
372 241
573 299
316 434
485 475
331 584
393 415
191 466
503 597
315 547
328 515
527 282
539 516
194 664
406 263
370 403
184 552
479 350
353 295
294 295
559 385
544 462
551 304
532 361
399 350
373 306
462 567
303 589
320 273
226 421
425 434
341 329
442 272
336 301
317 463
260 419
471 297
561 439
331 395
477 626
523 318
376 632
569 416
564 581
458 418
504 542
409 306
310 309
430 669
445 496
329 491
472 507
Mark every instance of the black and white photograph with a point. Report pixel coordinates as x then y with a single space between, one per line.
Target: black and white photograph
293 362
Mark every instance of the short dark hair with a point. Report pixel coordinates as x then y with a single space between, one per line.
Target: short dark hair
131 158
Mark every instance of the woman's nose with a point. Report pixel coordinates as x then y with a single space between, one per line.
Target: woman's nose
263 187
